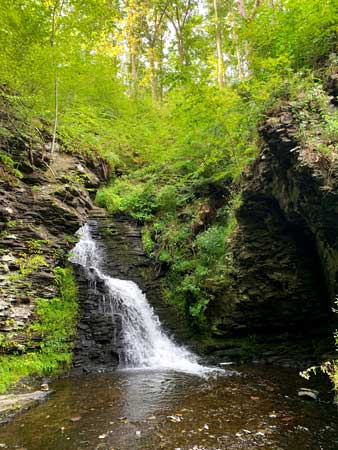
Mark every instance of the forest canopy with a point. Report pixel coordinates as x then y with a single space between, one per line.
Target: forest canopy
144 81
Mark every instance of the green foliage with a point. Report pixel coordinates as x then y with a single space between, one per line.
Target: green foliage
57 317
317 120
297 35
28 264
167 198
8 163
138 200
56 324
211 243
148 243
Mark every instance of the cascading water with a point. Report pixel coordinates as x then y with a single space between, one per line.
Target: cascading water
140 343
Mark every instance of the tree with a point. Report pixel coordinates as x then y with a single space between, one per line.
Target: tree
219 45
56 14
179 13
154 29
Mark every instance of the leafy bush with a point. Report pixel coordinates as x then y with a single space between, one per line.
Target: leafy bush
137 199
211 243
148 243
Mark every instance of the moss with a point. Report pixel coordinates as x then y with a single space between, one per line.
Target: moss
56 324
243 348
28 265
35 246
9 164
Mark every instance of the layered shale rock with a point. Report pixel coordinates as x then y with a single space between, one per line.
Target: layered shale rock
44 198
285 249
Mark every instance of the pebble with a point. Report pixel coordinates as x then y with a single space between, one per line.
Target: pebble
260 433
175 418
75 419
309 393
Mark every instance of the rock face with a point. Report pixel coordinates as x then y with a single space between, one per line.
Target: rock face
44 199
99 335
286 246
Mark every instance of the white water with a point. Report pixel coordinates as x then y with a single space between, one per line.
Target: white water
144 343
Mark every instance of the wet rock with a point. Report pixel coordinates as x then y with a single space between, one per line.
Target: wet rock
175 419
75 419
308 393
11 404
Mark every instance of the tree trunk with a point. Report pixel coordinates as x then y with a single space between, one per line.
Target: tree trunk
241 8
220 60
160 67
133 68
56 111
181 52
153 74
55 14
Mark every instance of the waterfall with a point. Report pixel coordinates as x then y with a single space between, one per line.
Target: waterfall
139 341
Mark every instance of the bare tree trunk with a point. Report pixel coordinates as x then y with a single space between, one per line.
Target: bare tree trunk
56 80
181 52
153 75
133 68
56 111
239 62
160 66
241 8
219 48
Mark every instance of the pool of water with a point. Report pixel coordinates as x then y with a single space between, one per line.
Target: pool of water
250 408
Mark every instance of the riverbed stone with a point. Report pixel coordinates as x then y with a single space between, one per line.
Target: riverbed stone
11 404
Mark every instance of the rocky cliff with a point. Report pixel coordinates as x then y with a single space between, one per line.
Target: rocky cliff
285 248
44 198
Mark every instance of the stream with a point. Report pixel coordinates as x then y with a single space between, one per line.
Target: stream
162 396
252 408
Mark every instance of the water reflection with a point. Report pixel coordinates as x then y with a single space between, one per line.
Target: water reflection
148 391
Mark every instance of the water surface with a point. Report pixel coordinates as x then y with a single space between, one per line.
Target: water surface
255 408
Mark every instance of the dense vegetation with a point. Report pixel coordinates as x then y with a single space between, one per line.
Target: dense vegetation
171 92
